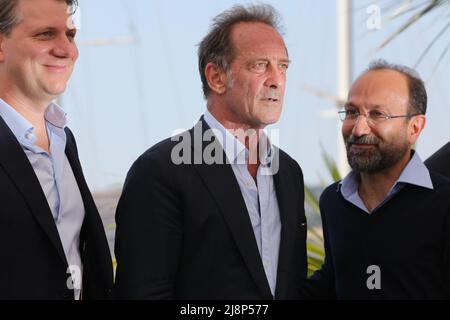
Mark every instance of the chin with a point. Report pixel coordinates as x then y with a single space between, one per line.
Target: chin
56 89
271 119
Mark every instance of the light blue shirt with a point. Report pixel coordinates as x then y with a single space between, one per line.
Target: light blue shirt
260 198
415 173
55 176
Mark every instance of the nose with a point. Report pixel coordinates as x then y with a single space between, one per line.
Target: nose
65 47
276 77
360 126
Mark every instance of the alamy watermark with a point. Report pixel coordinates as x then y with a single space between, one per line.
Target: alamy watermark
374 20
242 147
374 280
74 19
74 281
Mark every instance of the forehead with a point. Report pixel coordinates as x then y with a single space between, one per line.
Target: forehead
386 88
258 38
52 12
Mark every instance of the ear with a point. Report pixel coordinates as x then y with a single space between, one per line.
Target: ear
2 36
216 78
416 126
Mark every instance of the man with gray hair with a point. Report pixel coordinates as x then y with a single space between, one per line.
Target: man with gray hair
231 226
52 241
386 225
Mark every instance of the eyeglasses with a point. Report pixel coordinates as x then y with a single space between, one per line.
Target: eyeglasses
373 117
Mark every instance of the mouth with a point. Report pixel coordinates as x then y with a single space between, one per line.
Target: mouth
271 99
56 68
362 145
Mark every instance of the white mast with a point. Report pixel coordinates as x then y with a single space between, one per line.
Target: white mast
344 64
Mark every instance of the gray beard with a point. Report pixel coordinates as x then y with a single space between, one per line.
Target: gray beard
376 159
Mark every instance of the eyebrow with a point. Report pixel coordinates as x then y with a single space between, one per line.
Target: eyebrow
285 60
350 104
372 107
267 58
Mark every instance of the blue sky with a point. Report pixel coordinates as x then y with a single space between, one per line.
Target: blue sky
125 96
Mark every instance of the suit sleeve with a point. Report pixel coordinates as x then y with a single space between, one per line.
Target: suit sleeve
149 232
321 284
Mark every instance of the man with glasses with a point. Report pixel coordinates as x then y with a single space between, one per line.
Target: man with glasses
387 223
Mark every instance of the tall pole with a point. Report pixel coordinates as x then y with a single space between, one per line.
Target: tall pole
344 63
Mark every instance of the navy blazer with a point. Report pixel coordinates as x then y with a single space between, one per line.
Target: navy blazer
33 264
183 231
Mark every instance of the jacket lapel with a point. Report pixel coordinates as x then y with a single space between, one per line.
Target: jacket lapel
72 156
220 180
286 198
15 162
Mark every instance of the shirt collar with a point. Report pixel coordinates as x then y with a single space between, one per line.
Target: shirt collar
415 173
22 129
235 151
56 115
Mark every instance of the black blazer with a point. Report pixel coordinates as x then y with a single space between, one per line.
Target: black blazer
183 231
440 161
33 264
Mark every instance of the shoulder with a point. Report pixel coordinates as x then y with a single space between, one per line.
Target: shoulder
442 152
158 158
287 162
330 193
440 183
440 160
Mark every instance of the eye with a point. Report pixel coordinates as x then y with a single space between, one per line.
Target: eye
71 34
283 66
260 66
351 113
376 114
44 35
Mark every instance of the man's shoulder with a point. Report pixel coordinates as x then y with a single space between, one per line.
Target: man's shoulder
440 160
167 153
160 151
440 182
287 161
331 192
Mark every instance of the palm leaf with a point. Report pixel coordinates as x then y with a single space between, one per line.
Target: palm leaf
314 245
418 12
432 6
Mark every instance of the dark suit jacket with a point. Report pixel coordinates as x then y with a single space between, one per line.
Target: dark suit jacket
33 264
183 231
440 161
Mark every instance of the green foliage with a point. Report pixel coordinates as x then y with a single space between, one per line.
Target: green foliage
314 245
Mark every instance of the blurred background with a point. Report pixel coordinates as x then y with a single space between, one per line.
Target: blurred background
137 81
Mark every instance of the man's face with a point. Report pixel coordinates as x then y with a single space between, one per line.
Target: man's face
372 147
37 58
257 77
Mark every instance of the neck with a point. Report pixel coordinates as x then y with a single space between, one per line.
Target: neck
374 187
243 131
247 134
32 110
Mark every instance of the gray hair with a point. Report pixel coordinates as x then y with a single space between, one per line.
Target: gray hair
9 18
416 87
217 47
